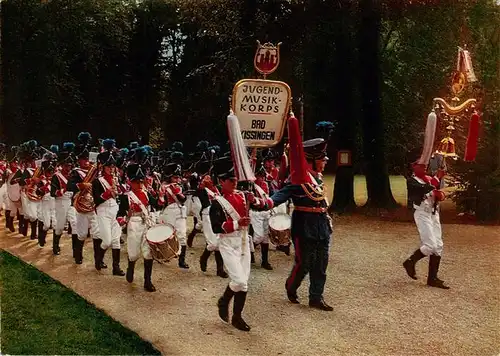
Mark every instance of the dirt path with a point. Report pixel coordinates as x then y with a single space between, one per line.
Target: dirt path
378 309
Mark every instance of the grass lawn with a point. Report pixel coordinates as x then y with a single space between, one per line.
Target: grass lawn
41 316
398 187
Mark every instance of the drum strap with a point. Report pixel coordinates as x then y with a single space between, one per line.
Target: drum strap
138 201
261 191
62 178
211 194
169 191
228 208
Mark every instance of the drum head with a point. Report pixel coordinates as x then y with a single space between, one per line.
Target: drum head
160 233
280 222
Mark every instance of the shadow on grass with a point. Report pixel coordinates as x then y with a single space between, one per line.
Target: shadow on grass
41 316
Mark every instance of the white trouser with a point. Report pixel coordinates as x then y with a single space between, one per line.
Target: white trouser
14 207
195 210
64 213
47 212
429 229
30 208
176 216
260 224
136 241
84 222
211 238
236 260
109 229
3 196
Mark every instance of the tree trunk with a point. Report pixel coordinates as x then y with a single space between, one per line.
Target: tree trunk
377 176
343 192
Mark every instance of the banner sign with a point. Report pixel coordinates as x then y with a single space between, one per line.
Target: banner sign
262 108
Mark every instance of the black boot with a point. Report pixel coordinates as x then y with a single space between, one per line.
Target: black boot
56 250
264 249
98 260
23 226
33 226
239 303
223 304
409 264
78 250
9 221
204 259
74 244
320 304
220 265
252 257
432 278
148 271
115 253
41 234
182 258
130 271
191 236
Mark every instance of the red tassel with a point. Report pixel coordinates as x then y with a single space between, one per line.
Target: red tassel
298 164
471 146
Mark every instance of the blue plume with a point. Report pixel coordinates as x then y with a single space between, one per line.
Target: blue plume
177 146
84 138
176 156
202 146
140 154
149 150
325 128
68 146
32 144
54 148
108 144
124 151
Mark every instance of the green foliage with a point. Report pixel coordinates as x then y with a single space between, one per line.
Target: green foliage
479 181
40 316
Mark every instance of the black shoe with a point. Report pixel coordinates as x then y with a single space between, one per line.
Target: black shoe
239 323
148 271
320 304
115 253
130 271
191 237
267 266
437 283
409 264
293 297
98 254
223 304
182 258
204 259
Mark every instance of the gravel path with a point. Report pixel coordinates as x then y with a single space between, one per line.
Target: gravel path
378 309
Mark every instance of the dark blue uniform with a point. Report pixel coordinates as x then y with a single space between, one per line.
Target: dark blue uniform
311 232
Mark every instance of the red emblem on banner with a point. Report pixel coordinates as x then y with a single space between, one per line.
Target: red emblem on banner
267 58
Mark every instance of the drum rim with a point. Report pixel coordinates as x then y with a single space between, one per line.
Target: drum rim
163 241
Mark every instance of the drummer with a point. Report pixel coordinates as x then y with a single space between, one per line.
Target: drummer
13 205
175 212
260 219
137 203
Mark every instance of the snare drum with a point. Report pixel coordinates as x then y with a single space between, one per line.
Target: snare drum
280 229
163 242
